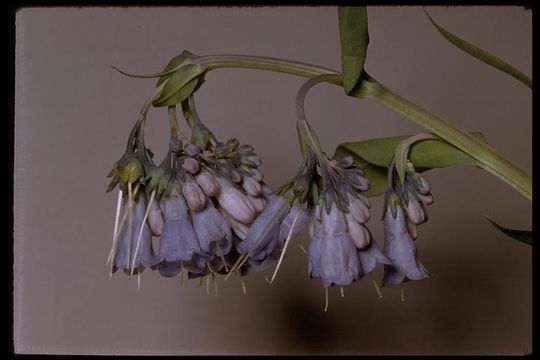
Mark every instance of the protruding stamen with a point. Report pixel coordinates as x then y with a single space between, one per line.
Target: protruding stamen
377 289
138 281
342 291
222 257
289 236
141 229
243 285
325 299
215 284
303 249
130 219
402 293
207 284
116 220
266 279
241 260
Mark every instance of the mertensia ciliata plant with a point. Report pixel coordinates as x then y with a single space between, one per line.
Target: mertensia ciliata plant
214 214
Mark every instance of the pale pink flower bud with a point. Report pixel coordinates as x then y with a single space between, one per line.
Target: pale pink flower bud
415 213
358 210
194 195
155 219
412 230
235 202
358 232
239 229
259 203
191 165
207 183
251 186
256 174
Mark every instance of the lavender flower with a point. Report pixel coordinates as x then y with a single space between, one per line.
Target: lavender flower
399 246
178 241
128 238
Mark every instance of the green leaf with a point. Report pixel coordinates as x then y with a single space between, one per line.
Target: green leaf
481 55
174 64
353 32
374 156
182 83
524 236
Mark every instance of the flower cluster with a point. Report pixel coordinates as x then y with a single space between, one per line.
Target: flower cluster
405 207
200 201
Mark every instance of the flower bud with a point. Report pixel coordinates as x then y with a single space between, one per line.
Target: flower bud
426 199
252 161
155 220
358 210
194 195
191 165
207 183
221 150
415 213
420 184
245 150
192 150
346 162
235 202
259 203
412 230
251 186
232 144
359 233
239 229
175 145
356 178
256 174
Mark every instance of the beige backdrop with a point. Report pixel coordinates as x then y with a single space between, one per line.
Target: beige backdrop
73 114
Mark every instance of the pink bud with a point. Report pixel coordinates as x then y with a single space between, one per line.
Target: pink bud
207 183
257 175
415 213
155 219
358 210
235 202
358 232
412 230
191 165
259 203
194 195
251 186
239 229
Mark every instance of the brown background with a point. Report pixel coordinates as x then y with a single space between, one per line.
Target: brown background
73 114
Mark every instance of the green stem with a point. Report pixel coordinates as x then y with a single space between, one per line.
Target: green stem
487 157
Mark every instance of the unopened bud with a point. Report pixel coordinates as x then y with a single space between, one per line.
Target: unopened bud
232 144
192 150
415 213
155 219
356 178
251 186
239 229
358 210
358 232
194 195
256 174
259 203
346 162
191 165
235 202
207 183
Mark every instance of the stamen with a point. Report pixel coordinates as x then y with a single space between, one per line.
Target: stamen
266 279
116 219
342 290
289 236
402 293
141 229
207 284
241 260
303 249
215 285
200 281
222 257
325 299
375 285
130 219
115 242
138 281
243 285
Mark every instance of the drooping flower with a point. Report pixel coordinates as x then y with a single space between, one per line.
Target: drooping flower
399 246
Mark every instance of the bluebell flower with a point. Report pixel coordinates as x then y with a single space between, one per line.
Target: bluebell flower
399 246
178 241
128 237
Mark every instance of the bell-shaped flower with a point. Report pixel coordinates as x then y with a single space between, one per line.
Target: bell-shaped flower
128 239
178 241
340 264
212 230
400 249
